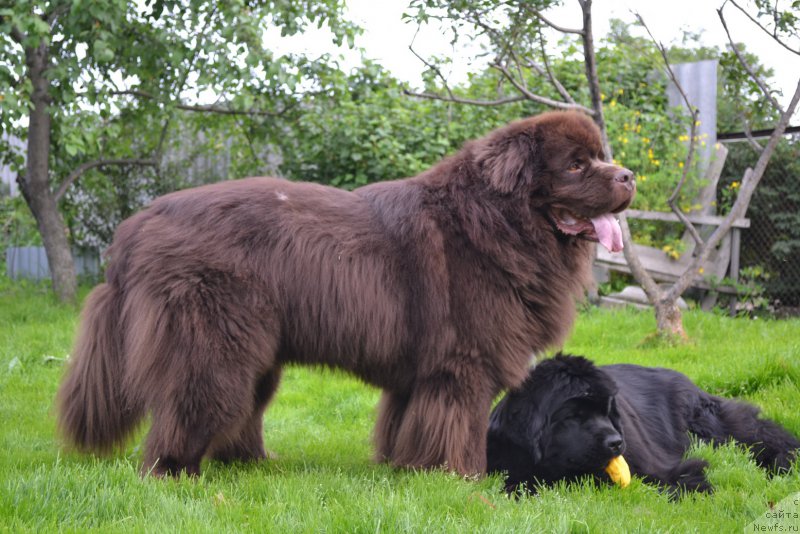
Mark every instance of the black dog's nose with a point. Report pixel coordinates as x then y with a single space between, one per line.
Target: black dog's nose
614 444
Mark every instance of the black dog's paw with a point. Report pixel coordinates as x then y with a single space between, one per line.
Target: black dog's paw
521 488
776 462
687 476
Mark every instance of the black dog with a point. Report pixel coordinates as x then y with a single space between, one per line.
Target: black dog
570 417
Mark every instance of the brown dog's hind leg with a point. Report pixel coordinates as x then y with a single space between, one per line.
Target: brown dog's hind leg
391 408
208 379
445 425
246 444
208 415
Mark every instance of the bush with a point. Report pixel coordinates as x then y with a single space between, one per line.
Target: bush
773 240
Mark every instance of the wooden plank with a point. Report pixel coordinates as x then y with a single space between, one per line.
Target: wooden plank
734 271
707 197
662 267
711 220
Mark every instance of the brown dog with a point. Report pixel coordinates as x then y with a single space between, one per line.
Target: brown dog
436 289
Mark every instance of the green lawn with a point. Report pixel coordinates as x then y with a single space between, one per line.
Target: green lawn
319 426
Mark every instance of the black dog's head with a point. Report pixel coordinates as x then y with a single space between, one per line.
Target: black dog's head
562 423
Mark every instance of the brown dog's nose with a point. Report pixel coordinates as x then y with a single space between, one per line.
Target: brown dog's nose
623 176
626 178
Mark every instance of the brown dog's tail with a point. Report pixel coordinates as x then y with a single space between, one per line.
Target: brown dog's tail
93 414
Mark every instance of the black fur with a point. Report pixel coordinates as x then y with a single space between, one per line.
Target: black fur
570 417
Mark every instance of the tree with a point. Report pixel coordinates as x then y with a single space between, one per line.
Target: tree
80 72
362 129
668 315
515 31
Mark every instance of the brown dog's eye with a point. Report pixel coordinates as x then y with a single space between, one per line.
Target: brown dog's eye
575 166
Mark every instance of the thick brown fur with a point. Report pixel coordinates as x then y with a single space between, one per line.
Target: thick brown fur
437 289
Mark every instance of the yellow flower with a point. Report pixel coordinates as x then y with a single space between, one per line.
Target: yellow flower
650 154
612 103
638 128
735 185
620 91
642 178
670 251
645 140
701 270
624 140
656 163
680 164
683 138
602 96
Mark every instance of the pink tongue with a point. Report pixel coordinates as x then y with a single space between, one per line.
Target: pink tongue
608 232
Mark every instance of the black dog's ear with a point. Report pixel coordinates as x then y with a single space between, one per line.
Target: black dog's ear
519 422
507 158
613 415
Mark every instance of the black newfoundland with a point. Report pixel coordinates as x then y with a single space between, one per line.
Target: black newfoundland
570 417
436 289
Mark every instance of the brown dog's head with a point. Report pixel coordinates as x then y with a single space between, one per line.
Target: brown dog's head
557 160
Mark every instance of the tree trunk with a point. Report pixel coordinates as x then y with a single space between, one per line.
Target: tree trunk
590 64
669 321
35 185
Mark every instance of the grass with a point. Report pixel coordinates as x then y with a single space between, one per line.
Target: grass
319 425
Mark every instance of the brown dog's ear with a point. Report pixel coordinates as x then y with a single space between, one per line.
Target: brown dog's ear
506 159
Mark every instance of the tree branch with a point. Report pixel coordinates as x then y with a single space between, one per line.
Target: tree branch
227 111
538 98
774 35
506 49
17 35
746 190
687 165
550 74
51 18
651 289
434 68
557 27
761 84
203 109
458 100
82 169
590 65
748 132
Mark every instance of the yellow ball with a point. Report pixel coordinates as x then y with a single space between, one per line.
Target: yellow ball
619 471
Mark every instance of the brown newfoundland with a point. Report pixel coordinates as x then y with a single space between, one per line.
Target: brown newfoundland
436 289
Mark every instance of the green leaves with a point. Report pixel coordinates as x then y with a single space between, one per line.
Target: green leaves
363 129
102 52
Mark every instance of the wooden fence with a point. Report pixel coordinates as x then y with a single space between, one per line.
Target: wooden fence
31 262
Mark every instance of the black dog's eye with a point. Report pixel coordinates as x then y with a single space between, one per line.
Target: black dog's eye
575 166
